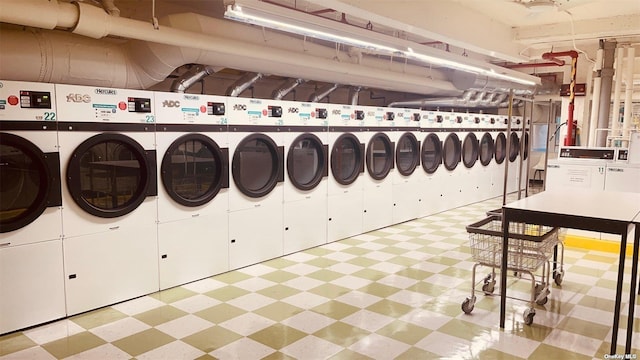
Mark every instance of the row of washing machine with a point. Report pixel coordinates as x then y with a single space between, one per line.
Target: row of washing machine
110 194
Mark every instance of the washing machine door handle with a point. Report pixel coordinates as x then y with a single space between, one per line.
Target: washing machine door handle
152 170
325 153
362 155
224 169
280 175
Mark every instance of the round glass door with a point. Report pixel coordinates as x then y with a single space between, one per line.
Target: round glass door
501 148
431 153
514 146
486 149
525 149
194 169
306 162
379 156
451 151
26 182
256 165
407 150
346 159
108 175
470 150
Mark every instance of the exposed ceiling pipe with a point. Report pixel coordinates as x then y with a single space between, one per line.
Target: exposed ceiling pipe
243 83
535 65
323 92
285 88
463 80
191 77
182 39
354 94
468 100
570 140
110 7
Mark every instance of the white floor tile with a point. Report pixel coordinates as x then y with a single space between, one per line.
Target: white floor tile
247 324
597 316
257 270
308 321
251 301
358 299
184 326
351 282
299 257
379 347
54 331
305 300
119 329
410 298
244 348
426 319
368 320
301 269
106 351
573 342
34 353
195 303
204 285
172 351
303 283
398 281
445 345
345 268
389 268
139 305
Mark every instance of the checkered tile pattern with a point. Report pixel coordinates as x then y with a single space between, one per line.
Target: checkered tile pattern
390 293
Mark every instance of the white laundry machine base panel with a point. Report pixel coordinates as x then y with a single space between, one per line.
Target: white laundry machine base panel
305 224
193 249
345 215
255 235
407 200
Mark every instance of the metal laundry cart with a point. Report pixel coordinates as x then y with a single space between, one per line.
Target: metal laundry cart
530 249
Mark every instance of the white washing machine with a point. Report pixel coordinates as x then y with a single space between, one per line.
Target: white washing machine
305 127
405 175
471 169
108 159
579 167
485 157
346 163
500 155
256 148
193 200
514 153
451 158
31 265
379 161
433 186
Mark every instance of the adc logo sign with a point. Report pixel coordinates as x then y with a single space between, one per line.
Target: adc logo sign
293 110
241 107
79 98
171 103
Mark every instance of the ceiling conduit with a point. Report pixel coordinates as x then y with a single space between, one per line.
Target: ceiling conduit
54 56
285 88
243 83
470 99
187 80
322 92
354 95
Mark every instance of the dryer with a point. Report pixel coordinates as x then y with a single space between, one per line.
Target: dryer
500 155
451 158
346 163
108 159
472 169
405 175
31 262
379 161
256 148
305 127
485 157
623 175
433 177
193 200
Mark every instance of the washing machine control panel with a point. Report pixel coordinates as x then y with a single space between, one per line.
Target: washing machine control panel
27 101
35 99
215 108
322 113
142 105
274 111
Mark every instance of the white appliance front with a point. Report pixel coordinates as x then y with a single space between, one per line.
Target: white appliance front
193 203
108 159
31 264
305 188
432 184
346 178
256 150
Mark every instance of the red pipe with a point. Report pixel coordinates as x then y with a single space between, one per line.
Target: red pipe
570 139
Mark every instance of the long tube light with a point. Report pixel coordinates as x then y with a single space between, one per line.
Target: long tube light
276 18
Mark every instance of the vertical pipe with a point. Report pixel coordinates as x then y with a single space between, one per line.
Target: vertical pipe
615 120
570 140
595 100
628 105
508 150
546 151
605 91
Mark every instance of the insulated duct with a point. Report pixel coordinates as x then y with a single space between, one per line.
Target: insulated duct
323 92
285 88
354 95
468 100
187 80
243 83
181 39
463 80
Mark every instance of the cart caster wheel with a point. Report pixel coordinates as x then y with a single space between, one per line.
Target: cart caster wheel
558 276
542 301
467 305
528 316
488 288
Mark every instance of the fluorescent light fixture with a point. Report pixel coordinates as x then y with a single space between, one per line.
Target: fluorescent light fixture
287 20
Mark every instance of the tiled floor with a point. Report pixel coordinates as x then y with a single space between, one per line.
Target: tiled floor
391 293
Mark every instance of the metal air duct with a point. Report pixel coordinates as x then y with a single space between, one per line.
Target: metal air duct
243 83
323 92
285 88
189 78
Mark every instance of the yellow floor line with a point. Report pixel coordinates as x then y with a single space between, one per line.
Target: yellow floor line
588 243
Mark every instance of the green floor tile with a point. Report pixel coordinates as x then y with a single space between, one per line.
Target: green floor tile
279 276
98 317
585 328
415 274
426 288
318 251
464 329
362 261
278 311
394 250
321 262
370 274
278 356
172 295
220 313
443 260
404 261
546 352
335 309
281 263
380 290
325 275
415 353
534 331
232 277
405 332
356 251
457 273
350 241
227 293
330 291
278 291
211 338
14 342
161 315
342 334
73 344
443 306
385 241
497 355
582 270
277 336
347 354
390 308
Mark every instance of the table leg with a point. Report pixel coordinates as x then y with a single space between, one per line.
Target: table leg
503 267
616 311
632 291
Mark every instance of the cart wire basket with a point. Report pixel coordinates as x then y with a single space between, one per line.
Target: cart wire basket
530 248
